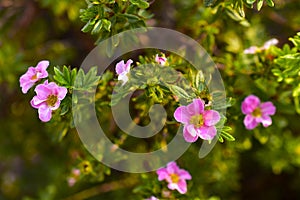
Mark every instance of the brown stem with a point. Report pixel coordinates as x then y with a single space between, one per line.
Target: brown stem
105 187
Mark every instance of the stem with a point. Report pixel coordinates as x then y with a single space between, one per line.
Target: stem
103 188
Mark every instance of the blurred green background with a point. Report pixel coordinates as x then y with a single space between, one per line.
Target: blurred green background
261 164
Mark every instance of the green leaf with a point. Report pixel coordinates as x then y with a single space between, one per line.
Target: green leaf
260 4
87 27
222 105
199 81
91 78
221 139
227 136
64 109
59 77
67 75
296 40
79 79
138 24
208 3
97 27
73 75
179 92
63 133
250 1
140 3
106 24
270 3
65 105
131 18
290 62
233 14
131 9
241 11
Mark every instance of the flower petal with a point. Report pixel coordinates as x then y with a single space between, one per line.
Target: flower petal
162 174
172 186
25 80
120 67
181 186
197 107
187 135
211 117
183 174
26 86
266 120
250 122
36 102
182 115
43 91
127 66
123 77
41 69
172 167
160 60
251 50
267 108
249 104
269 43
207 132
45 113
192 130
62 92
42 65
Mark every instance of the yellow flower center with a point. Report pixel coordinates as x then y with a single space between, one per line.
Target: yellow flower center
197 120
34 77
174 178
51 100
256 112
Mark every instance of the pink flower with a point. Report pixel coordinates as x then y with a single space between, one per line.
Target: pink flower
152 198
197 121
123 69
160 60
257 112
48 98
33 75
71 181
74 177
76 172
269 43
175 177
252 50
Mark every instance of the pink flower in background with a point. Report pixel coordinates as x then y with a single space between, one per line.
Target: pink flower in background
123 69
251 50
33 75
152 198
48 98
257 112
76 172
160 60
197 121
175 177
71 181
267 45
74 177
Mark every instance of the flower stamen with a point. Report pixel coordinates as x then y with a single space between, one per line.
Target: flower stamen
197 120
257 112
51 100
174 178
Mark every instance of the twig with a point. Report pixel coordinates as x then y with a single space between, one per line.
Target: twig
106 187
